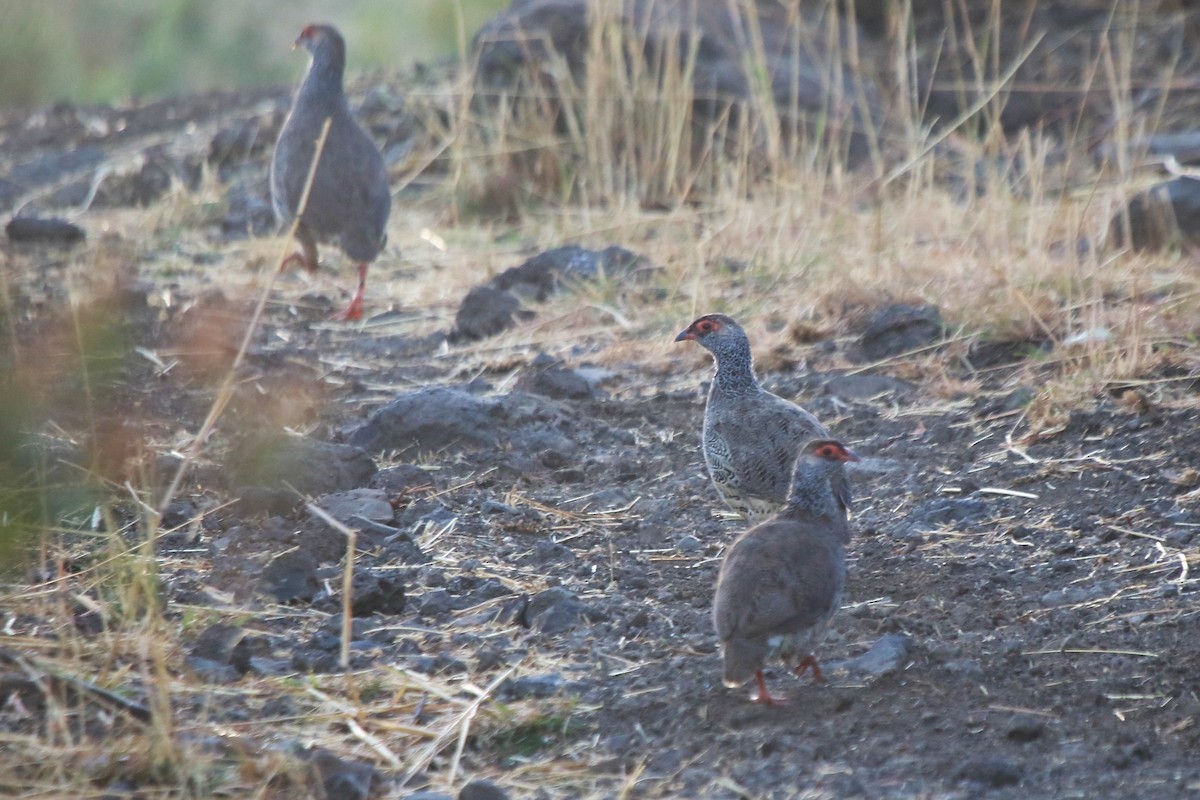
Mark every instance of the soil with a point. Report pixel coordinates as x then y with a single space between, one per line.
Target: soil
1027 603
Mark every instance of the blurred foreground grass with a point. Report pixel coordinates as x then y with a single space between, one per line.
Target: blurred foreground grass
104 50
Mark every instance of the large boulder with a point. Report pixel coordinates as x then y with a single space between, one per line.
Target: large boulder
814 93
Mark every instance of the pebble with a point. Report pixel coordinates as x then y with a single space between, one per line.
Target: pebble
886 655
991 772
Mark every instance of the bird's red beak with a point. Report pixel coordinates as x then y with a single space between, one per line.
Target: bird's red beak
686 336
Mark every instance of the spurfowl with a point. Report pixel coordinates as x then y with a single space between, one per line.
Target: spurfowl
349 202
782 580
751 437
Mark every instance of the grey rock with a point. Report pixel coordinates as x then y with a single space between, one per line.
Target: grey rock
341 778
807 82
211 671
967 668
47 231
888 654
482 790
991 772
548 377
554 611
291 577
371 504
898 328
377 593
429 419
486 311
294 464
532 686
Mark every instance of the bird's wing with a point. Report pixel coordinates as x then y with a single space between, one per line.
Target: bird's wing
776 580
768 432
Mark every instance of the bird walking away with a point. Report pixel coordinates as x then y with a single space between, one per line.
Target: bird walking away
751 437
782 580
349 202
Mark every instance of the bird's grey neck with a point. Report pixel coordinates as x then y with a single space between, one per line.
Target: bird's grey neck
811 494
324 80
735 375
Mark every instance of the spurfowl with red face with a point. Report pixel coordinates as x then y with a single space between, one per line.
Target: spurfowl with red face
751 437
349 202
782 580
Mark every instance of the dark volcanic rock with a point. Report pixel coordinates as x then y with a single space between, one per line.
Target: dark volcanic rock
377 593
991 772
886 655
1162 217
342 779
431 419
549 378
897 328
368 504
813 92
403 479
482 790
486 311
495 306
36 230
291 577
295 464
542 275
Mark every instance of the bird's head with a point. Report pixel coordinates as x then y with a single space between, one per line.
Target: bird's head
716 333
316 38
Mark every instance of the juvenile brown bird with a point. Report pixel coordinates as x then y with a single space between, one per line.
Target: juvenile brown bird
751 437
782 580
349 202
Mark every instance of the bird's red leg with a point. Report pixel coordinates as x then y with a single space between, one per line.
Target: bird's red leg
307 255
810 662
355 309
763 697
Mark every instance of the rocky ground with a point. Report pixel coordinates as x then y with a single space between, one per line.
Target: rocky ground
537 541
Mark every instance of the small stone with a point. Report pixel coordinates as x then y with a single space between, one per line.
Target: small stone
992 772
370 504
291 577
532 686
886 655
966 668
482 790
1025 730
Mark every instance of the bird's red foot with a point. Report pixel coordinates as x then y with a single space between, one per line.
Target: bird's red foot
762 696
809 662
355 310
352 312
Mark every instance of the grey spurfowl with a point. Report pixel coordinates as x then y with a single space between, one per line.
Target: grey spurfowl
349 203
751 437
782 580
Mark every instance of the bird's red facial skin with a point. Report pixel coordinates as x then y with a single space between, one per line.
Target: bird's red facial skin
707 326
834 452
309 32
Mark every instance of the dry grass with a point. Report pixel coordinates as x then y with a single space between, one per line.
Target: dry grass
737 223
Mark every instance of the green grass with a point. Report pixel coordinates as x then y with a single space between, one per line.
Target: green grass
109 50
